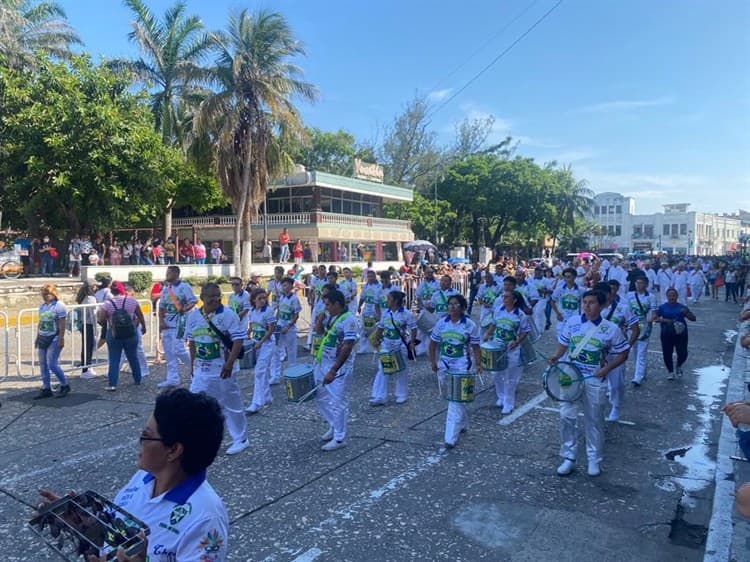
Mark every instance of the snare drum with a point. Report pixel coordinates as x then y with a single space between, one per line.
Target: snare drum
299 381
459 386
494 356
426 321
248 360
392 362
528 353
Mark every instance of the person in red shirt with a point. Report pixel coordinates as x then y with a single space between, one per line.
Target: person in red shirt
297 252
284 238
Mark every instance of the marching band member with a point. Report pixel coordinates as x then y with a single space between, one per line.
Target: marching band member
209 330
394 325
387 287
334 366
316 283
566 299
287 310
577 342
239 301
275 286
177 299
617 311
538 309
349 288
452 341
511 327
643 307
367 309
487 294
550 284
261 331
438 303
425 290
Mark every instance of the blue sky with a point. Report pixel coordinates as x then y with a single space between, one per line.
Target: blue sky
650 98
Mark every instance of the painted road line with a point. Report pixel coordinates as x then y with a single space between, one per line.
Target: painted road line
580 414
518 412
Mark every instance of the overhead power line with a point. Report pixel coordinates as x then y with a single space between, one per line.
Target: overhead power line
497 58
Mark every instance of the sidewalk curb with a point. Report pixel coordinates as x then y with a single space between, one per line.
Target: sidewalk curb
724 522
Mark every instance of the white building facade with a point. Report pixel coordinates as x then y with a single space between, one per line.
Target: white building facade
676 231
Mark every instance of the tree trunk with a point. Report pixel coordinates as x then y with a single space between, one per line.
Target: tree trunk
168 219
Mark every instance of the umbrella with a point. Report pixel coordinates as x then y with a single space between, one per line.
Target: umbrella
453 261
419 245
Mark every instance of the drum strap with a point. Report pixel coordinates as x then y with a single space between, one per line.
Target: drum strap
401 335
583 342
319 355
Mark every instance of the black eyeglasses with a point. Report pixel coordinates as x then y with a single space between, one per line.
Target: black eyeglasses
143 438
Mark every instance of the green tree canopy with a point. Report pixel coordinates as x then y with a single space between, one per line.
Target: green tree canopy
79 150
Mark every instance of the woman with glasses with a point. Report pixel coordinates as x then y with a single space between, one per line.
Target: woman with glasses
453 341
50 341
169 492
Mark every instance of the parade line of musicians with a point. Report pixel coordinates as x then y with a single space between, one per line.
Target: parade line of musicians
596 328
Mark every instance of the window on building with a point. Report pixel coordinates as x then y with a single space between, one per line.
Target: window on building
683 229
648 231
675 229
618 230
638 229
618 209
665 230
604 210
611 210
596 209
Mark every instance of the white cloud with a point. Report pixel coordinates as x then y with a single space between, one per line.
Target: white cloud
537 142
439 95
623 105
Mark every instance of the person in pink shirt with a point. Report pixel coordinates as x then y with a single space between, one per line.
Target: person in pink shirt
200 251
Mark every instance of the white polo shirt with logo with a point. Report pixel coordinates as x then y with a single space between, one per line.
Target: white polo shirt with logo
189 523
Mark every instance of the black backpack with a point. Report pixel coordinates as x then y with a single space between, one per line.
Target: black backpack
122 324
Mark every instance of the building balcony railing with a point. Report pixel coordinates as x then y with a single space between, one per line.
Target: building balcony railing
285 219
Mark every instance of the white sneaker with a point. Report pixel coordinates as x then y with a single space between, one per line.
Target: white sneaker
238 447
274 381
89 374
507 410
670 376
679 372
167 384
614 415
401 400
594 469
328 435
332 445
566 467
252 409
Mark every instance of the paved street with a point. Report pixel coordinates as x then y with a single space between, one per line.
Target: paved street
395 493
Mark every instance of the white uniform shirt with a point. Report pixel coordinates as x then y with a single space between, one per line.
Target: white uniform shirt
680 280
275 289
455 339
439 300
209 349
370 295
509 323
607 338
335 332
620 314
188 523
664 279
529 292
651 276
427 288
568 300
349 288
394 326
643 309
180 292
287 307
238 303
261 320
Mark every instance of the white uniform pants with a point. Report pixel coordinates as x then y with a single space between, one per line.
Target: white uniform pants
640 348
380 384
682 294
262 388
616 386
424 343
174 351
537 314
593 402
227 393
457 418
286 345
697 290
364 343
507 380
331 399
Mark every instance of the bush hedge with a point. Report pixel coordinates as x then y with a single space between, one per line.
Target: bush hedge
140 280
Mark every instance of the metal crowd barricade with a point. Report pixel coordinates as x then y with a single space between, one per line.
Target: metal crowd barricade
26 356
5 354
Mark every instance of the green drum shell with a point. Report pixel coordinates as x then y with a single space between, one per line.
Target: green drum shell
299 380
459 386
392 362
494 356
248 360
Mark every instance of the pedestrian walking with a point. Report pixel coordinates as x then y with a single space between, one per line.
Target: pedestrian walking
86 324
50 341
672 316
177 299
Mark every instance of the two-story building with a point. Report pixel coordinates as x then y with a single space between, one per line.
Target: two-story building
335 218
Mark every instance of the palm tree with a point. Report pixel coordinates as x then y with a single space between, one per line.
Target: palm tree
29 27
172 51
251 114
572 199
